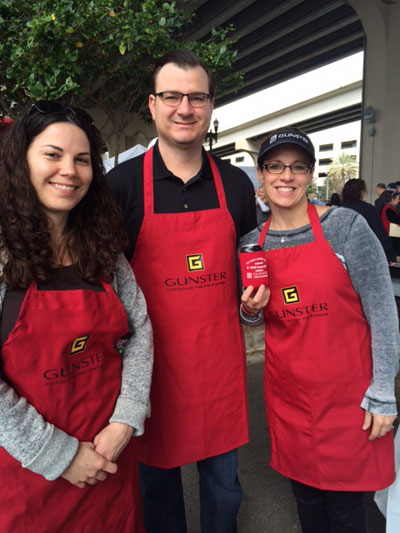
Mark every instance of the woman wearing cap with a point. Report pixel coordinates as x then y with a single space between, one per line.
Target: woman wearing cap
67 339
332 348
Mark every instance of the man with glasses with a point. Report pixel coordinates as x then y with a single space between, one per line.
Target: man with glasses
185 212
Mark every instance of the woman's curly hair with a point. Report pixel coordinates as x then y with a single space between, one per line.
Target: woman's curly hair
93 235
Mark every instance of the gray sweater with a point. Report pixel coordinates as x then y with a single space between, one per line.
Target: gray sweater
363 257
47 450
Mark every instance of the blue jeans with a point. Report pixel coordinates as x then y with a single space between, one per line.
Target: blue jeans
220 496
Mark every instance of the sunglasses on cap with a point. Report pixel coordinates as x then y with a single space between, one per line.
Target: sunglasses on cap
47 107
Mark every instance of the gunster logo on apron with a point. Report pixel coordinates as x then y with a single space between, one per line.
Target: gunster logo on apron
290 295
75 366
195 262
79 345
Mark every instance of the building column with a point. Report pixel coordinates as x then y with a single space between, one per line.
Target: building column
380 148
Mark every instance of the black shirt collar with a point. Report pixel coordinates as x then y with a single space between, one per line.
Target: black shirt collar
161 171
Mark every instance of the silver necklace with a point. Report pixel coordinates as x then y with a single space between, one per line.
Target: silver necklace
284 235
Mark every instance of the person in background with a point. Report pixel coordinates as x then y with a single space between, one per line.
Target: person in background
332 347
353 194
262 208
390 215
335 200
75 358
381 201
315 201
397 183
185 211
380 187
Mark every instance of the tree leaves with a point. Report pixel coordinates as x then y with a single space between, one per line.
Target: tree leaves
95 53
343 168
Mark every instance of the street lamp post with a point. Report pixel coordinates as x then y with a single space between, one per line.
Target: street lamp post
327 187
212 136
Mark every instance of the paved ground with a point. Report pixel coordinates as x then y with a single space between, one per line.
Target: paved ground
268 505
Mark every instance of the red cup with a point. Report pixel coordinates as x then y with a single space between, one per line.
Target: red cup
253 266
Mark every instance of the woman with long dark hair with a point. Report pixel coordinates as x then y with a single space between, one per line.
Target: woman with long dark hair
75 356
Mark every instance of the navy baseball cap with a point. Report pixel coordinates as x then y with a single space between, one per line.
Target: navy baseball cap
287 136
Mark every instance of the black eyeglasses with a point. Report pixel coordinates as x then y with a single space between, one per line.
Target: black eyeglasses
278 168
173 98
47 107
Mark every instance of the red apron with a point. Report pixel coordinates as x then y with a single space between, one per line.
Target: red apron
318 365
385 220
185 266
60 356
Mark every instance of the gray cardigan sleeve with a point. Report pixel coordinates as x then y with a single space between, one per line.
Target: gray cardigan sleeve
369 273
47 450
133 403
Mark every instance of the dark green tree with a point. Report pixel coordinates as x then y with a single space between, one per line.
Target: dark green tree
96 53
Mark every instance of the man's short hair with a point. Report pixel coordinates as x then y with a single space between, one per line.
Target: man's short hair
380 186
184 59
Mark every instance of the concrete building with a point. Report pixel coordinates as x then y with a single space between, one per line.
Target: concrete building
281 39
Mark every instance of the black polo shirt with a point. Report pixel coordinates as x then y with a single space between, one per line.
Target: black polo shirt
172 195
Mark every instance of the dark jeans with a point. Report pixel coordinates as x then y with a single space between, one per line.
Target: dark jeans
329 511
220 496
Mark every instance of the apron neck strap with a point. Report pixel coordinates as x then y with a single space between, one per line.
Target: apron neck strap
148 182
148 185
263 233
314 221
218 182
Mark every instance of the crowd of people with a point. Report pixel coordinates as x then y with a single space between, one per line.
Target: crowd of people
122 351
380 218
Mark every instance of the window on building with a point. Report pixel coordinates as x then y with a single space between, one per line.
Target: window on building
349 144
322 174
239 159
325 147
326 161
